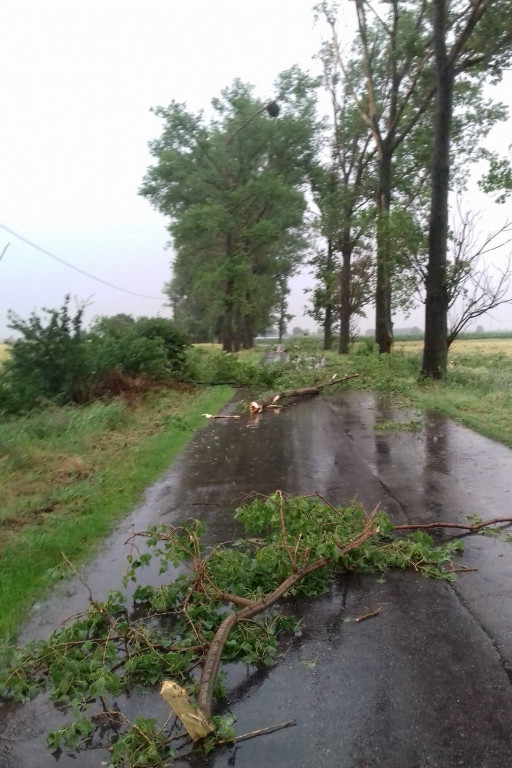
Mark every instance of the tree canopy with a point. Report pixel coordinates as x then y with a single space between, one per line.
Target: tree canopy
232 187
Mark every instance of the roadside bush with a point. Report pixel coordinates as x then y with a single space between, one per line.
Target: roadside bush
160 329
149 345
57 361
48 363
129 354
216 367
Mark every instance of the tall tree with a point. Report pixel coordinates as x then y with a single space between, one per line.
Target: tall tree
232 188
343 189
395 56
472 36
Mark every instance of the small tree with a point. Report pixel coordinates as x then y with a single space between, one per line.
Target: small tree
49 361
473 290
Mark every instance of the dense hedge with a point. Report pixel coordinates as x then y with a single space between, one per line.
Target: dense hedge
56 360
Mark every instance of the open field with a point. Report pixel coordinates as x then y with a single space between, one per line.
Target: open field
4 351
464 347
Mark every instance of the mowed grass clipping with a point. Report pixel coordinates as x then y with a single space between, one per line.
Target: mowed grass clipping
68 473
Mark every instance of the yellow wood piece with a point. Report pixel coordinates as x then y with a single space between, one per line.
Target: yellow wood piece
197 725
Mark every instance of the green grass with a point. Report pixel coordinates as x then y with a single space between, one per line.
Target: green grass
68 473
477 390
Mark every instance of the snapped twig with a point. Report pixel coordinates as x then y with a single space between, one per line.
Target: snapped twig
368 615
259 732
474 527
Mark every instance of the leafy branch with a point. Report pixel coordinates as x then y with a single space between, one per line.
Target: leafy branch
220 606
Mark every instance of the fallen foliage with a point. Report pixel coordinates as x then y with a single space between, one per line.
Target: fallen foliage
206 616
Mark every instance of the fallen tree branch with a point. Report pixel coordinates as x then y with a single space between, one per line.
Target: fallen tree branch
475 527
219 416
287 394
213 657
259 732
367 616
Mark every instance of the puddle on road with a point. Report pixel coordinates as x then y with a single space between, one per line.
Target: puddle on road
329 445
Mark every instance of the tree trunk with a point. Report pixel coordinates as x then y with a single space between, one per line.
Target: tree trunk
436 305
227 320
344 299
328 305
237 341
247 333
383 323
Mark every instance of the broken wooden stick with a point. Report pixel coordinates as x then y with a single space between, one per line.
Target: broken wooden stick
367 616
197 725
219 416
259 732
475 527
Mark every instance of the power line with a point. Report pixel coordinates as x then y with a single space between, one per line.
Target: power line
77 269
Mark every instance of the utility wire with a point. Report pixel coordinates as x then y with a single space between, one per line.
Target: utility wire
77 269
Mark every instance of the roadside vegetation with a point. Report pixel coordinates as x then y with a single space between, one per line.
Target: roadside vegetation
476 391
67 473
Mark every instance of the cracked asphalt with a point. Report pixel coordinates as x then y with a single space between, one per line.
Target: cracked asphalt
426 683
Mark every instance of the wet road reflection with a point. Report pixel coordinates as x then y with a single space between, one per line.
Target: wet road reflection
426 683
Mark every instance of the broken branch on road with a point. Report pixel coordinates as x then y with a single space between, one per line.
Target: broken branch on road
292 394
220 605
367 616
471 528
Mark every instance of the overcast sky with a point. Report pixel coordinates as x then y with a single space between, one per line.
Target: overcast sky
78 81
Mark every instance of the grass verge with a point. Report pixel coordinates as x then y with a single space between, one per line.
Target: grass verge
68 473
477 390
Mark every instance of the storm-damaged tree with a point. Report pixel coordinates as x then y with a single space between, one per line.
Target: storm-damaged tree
475 288
396 92
343 189
472 39
395 46
232 188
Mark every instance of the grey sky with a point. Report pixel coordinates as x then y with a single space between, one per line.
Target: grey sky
78 81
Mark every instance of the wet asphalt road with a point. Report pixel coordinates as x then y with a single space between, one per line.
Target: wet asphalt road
427 683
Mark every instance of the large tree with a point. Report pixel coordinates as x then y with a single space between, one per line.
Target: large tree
397 90
343 189
232 188
471 38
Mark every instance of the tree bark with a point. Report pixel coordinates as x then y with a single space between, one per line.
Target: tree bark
344 278
383 322
435 351
227 320
328 305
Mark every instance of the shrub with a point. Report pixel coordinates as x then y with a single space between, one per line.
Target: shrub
129 354
56 361
150 346
173 342
48 362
